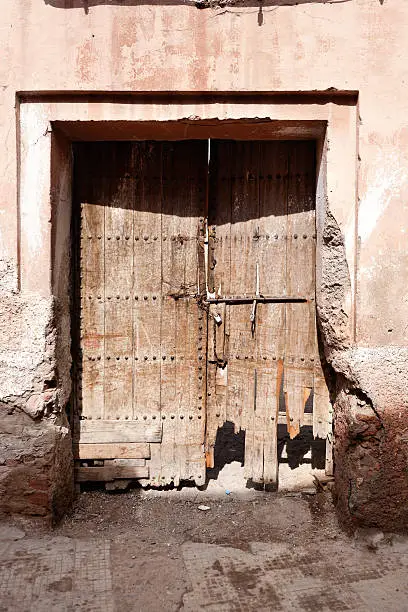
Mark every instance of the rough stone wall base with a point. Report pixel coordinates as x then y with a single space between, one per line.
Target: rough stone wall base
35 466
371 448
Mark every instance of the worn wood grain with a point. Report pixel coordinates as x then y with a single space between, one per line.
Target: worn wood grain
97 432
301 337
125 462
108 473
270 322
111 451
118 385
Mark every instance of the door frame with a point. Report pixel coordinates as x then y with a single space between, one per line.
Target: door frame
48 124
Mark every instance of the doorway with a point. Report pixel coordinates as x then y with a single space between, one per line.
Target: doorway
195 306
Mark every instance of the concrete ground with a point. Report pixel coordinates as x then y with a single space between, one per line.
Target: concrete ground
190 550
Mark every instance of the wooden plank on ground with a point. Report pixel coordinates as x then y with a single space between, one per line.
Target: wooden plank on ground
95 474
137 450
118 431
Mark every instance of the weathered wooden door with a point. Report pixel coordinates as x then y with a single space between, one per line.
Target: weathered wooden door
142 374
196 306
263 364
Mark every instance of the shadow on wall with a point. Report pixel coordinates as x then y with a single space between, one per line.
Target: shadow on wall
87 4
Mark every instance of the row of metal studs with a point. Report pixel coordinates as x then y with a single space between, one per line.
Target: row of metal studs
187 238
145 417
200 358
145 238
126 297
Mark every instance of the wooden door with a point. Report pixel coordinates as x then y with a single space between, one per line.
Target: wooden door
261 277
141 375
188 322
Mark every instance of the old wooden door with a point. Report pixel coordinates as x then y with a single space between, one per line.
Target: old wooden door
196 289
263 365
142 374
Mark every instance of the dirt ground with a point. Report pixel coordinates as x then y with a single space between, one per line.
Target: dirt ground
146 551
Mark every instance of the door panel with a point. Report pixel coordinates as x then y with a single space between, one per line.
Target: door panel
261 243
143 332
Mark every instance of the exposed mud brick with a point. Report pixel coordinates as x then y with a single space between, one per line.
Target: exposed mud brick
371 455
35 466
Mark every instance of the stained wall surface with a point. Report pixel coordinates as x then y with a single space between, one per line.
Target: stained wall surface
127 46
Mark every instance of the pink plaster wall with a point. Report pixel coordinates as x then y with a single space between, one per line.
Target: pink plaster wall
351 45
128 46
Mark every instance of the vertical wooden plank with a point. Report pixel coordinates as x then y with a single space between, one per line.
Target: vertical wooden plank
91 266
242 345
300 318
270 317
322 413
321 402
184 327
218 284
118 384
147 295
169 472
